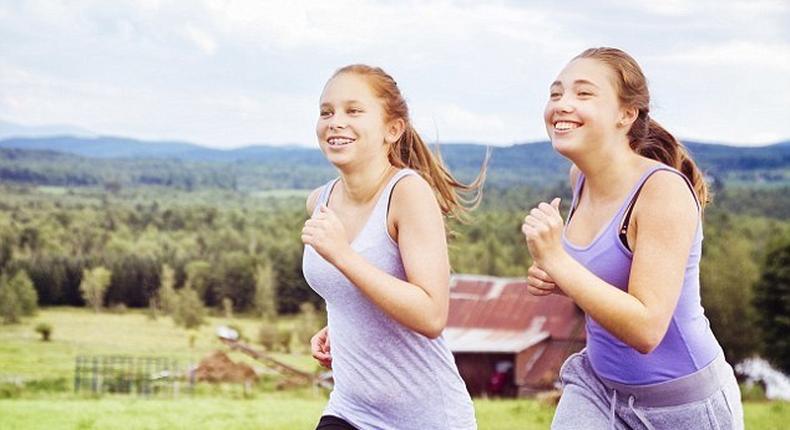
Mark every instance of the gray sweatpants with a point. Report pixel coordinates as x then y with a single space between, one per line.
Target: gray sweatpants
706 399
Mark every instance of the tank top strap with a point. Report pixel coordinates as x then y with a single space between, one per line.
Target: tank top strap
382 206
577 190
323 197
634 195
637 188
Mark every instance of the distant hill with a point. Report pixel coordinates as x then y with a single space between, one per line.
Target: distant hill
122 159
10 129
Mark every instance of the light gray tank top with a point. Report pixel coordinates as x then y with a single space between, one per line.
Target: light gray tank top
387 376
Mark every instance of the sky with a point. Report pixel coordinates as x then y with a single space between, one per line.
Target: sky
226 73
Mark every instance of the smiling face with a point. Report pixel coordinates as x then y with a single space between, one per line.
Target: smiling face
584 112
351 128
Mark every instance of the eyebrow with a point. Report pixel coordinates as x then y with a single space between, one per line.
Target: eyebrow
344 102
576 82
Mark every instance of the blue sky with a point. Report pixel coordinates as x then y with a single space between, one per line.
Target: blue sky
228 73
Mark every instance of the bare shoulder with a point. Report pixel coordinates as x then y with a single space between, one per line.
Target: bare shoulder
666 195
411 188
412 194
312 199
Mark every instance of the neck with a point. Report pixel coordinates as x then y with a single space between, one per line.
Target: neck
610 172
361 185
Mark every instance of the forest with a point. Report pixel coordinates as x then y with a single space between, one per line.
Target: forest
200 229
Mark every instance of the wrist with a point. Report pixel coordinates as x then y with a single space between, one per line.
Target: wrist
342 258
555 263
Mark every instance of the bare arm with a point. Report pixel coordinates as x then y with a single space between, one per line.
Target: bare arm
666 219
419 303
312 199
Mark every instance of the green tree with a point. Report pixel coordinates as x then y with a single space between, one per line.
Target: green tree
772 298
200 278
265 297
93 286
167 292
190 311
18 297
728 272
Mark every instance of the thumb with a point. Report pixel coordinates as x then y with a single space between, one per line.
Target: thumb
556 203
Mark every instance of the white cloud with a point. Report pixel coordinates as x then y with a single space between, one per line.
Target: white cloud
230 72
735 53
201 39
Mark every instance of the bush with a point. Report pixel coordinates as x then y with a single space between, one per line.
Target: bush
18 297
189 311
45 330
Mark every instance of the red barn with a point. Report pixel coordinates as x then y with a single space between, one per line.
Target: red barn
506 341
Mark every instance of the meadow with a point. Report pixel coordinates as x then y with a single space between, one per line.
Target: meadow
36 388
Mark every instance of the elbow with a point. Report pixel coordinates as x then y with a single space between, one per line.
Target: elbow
645 348
648 341
434 327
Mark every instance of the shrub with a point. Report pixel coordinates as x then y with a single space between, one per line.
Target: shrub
45 330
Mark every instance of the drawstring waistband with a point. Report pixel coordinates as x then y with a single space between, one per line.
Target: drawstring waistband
637 413
612 417
690 388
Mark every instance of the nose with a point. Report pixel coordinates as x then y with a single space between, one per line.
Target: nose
563 104
336 123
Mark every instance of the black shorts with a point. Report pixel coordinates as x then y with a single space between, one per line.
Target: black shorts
329 422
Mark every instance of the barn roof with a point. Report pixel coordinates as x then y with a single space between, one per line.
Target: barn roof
490 314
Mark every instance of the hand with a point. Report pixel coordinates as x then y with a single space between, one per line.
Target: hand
326 234
539 283
319 347
543 230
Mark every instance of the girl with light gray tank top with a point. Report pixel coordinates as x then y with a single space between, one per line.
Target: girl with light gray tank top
629 257
376 251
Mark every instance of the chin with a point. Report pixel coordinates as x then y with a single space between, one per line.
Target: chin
563 146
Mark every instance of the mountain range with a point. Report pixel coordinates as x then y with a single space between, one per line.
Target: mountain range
527 163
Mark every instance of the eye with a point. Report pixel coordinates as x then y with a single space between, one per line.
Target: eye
354 111
555 95
325 113
584 94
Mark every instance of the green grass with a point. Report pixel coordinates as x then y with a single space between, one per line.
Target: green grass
271 411
275 411
79 331
46 400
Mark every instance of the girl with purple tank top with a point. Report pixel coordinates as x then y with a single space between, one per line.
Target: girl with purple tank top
629 257
376 251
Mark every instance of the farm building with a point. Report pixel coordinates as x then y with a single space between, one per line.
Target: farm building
506 341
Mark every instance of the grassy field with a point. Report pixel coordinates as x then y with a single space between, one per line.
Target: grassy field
78 331
46 401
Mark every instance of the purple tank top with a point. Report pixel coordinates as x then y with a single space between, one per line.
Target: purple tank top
387 376
689 343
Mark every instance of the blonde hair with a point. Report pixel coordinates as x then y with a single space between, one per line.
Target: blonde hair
410 151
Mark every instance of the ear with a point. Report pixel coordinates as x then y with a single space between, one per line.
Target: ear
394 131
627 117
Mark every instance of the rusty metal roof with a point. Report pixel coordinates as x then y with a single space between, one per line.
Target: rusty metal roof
503 304
492 340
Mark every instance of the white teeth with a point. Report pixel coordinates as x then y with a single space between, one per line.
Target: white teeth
565 125
337 141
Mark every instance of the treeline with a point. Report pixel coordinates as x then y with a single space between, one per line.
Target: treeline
217 241
111 165
214 246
